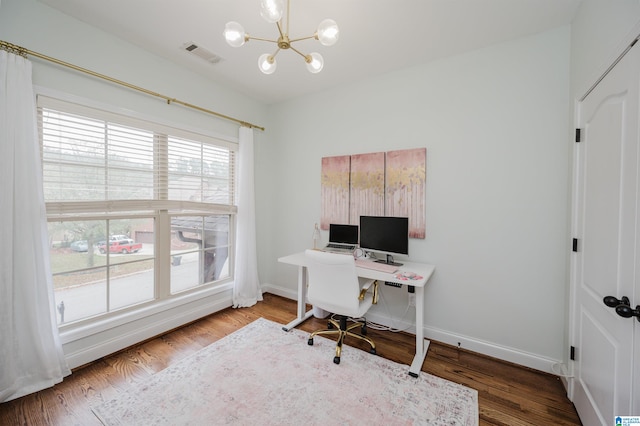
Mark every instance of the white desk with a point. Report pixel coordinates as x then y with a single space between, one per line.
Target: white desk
422 269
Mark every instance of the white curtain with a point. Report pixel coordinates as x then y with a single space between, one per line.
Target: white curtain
31 356
247 291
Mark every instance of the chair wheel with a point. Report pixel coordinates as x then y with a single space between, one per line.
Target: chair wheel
363 330
329 325
373 351
310 342
336 360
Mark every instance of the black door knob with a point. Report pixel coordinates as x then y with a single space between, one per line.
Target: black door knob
612 301
626 311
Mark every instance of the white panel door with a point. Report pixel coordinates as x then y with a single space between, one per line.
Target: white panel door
606 263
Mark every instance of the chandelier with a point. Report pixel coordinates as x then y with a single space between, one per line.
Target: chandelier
272 12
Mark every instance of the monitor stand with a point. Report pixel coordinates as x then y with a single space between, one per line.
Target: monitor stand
389 261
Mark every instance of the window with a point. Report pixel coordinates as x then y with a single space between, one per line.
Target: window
204 239
138 212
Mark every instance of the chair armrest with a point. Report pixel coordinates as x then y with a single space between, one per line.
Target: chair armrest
366 288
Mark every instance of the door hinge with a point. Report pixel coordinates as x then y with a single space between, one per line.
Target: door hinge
578 136
575 245
572 353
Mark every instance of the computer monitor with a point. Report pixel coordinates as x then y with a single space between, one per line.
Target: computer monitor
388 235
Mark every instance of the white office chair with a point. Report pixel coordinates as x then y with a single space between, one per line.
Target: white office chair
335 286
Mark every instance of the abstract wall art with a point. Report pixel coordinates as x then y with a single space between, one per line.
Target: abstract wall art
389 183
405 178
367 186
335 190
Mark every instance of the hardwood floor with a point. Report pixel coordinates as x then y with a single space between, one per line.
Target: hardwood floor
508 394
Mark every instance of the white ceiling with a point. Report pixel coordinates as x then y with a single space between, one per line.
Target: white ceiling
376 36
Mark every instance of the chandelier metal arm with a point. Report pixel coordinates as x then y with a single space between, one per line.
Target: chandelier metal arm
275 53
299 53
248 37
304 38
282 34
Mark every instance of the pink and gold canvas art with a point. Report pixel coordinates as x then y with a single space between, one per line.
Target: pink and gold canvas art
405 178
367 186
375 184
335 190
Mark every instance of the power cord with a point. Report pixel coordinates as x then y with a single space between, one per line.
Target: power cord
382 327
361 253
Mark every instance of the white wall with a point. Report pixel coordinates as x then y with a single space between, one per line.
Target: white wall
600 31
495 125
37 27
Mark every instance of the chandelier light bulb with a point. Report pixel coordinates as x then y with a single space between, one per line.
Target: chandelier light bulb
271 10
267 63
234 34
315 62
328 32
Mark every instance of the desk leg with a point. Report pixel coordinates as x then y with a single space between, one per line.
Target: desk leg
302 300
422 345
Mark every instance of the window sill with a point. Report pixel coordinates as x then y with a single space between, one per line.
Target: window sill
74 332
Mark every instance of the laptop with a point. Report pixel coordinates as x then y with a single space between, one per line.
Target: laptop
342 238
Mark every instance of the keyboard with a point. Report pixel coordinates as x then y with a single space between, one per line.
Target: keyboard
340 247
382 267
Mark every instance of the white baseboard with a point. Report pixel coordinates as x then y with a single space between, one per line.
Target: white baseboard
513 355
280 291
504 353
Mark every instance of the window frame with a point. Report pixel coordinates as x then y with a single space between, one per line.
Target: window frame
160 209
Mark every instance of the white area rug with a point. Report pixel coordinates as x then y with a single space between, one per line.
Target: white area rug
261 375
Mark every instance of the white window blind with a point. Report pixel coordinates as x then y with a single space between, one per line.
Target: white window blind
200 172
93 155
88 159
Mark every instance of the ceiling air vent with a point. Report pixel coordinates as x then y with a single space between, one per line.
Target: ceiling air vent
201 52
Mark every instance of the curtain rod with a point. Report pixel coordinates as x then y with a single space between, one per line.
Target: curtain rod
18 50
